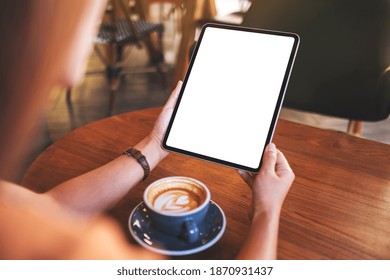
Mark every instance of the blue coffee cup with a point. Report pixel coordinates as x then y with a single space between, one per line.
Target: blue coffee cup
177 206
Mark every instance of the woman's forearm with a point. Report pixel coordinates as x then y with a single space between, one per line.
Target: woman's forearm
262 238
97 190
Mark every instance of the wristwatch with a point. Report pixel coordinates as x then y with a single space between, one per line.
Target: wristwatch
140 158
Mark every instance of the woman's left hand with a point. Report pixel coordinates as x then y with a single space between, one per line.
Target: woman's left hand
161 124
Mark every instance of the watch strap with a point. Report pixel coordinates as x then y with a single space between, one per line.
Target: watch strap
140 158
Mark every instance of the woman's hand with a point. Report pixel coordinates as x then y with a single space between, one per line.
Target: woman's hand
271 185
269 189
162 121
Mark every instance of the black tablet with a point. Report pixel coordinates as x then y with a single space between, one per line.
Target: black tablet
231 95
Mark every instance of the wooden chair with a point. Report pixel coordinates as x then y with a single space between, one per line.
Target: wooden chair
118 30
234 18
341 68
191 11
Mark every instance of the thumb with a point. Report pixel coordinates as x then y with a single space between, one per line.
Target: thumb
270 157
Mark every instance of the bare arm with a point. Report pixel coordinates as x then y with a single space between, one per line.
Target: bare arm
269 189
95 191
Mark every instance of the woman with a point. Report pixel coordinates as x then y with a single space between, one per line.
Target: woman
46 44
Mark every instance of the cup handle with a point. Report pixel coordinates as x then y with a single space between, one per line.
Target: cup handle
190 231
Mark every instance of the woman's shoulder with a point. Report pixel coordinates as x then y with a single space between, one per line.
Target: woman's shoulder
33 226
13 193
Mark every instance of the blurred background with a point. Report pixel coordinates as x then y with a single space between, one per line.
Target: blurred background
143 80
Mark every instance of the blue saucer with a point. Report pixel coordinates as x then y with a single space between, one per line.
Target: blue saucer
146 235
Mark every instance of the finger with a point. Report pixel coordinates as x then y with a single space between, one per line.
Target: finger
248 179
282 165
174 95
270 157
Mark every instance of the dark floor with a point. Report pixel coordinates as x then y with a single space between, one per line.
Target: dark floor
90 101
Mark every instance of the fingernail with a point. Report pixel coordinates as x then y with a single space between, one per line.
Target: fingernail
272 147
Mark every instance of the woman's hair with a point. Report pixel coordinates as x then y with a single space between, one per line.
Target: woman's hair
37 37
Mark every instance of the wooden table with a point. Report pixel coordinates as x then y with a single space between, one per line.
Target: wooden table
337 208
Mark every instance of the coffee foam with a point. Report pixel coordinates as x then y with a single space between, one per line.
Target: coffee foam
176 200
176 196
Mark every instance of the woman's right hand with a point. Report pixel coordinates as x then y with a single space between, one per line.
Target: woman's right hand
271 185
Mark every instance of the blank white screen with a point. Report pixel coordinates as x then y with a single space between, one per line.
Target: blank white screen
230 96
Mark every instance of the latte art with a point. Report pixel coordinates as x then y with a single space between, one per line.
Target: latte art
176 201
176 196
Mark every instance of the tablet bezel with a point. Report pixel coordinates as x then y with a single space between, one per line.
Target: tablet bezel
276 110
